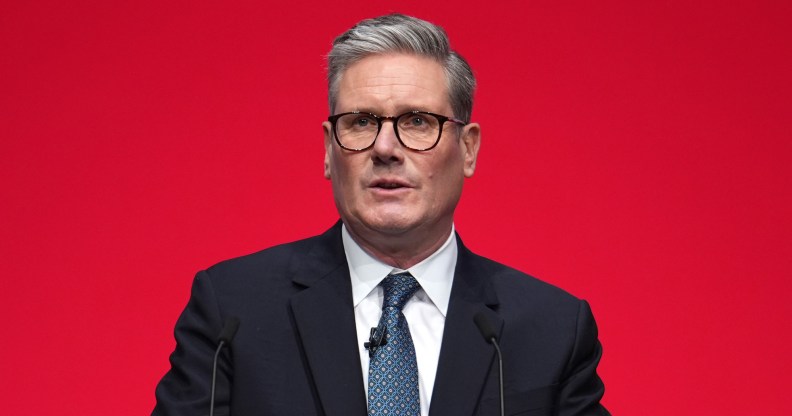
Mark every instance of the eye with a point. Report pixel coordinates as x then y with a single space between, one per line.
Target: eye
363 121
359 122
414 121
417 120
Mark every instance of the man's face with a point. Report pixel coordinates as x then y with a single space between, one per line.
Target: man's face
389 189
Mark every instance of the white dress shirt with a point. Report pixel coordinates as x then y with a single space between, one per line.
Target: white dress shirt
425 311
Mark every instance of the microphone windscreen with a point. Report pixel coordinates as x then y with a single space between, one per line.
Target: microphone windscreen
229 330
483 324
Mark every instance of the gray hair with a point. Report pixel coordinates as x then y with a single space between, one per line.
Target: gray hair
402 34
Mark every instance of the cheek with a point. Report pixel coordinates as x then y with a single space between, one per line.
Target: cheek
445 169
446 178
345 172
338 167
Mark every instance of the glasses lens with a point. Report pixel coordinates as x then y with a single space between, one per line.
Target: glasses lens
356 131
418 131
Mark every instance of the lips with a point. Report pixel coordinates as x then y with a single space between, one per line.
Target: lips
389 183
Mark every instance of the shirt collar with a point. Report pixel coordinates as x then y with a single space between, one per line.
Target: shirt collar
435 274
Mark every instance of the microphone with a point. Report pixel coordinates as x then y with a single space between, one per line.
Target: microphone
229 330
489 334
376 339
226 335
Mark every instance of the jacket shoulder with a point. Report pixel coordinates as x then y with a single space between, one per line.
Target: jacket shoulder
515 287
276 257
275 267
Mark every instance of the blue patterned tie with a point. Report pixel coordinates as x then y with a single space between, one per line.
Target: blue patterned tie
393 370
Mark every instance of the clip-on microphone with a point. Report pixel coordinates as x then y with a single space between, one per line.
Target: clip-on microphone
377 338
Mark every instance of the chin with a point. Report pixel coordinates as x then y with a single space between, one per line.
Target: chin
390 224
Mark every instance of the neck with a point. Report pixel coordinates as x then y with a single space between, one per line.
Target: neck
401 250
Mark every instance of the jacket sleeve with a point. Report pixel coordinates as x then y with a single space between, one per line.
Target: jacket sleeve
186 387
581 389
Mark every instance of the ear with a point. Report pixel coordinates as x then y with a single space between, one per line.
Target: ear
470 142
327 128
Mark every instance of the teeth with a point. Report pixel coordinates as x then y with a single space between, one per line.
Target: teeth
388 185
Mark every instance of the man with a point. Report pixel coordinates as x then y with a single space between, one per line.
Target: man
376 315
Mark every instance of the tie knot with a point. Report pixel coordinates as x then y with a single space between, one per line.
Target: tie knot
398 289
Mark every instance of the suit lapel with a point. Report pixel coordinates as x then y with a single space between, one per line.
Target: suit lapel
325 323
465 357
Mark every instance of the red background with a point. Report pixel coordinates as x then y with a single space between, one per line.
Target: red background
634 153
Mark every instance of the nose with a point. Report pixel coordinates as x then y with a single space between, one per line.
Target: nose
387 149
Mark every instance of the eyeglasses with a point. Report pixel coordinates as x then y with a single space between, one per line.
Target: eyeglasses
415 130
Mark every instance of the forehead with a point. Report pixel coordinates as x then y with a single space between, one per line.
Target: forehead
394 82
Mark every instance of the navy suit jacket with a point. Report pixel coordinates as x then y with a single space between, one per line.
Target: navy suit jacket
297 353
